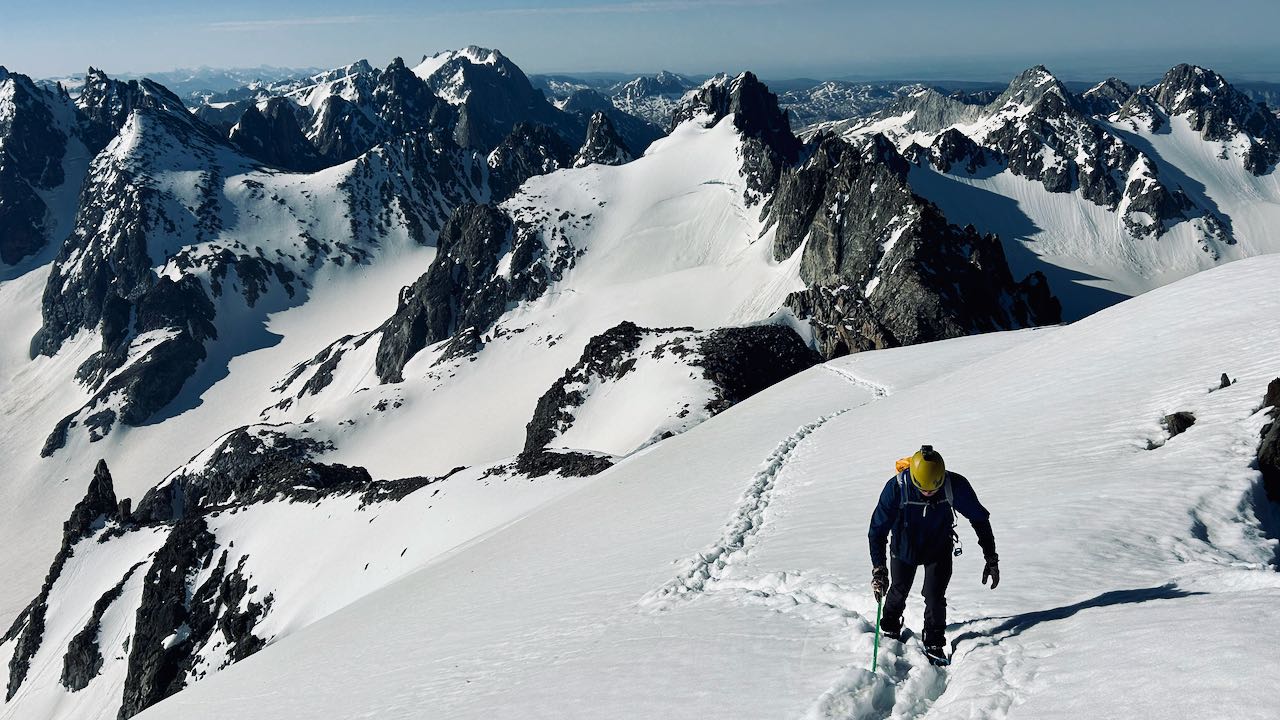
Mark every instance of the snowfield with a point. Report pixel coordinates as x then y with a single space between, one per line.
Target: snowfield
663 241
724 572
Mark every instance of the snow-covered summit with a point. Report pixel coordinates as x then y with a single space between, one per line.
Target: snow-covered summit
1219 112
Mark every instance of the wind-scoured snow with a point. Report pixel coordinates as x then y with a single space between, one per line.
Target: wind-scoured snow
1113 555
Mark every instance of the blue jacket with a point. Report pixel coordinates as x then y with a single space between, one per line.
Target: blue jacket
922 531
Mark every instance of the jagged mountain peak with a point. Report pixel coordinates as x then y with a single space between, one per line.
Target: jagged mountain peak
1106 97
1221 113
1185 88
1194 78
1110 86
603 145
754 108
108 103
768 143
471 54
664 82
358 67
1030 87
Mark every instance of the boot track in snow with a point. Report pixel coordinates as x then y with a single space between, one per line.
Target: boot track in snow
906 685
705 568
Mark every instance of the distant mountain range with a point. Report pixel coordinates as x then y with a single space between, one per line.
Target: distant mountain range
438 294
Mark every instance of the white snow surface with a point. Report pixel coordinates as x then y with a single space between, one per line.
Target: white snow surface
1091 259
662 394
92 570
664 241
260 344
724 572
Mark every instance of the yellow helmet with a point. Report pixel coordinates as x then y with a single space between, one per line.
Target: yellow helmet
927 469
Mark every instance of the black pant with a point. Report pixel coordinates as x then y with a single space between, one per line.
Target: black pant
937 575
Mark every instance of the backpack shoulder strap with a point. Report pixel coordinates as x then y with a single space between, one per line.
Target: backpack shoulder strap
946 485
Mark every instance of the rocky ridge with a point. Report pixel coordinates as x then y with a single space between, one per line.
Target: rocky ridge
1038 129
1215 109
768 143
882 265
42 132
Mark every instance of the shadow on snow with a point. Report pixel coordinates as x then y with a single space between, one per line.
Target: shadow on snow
1014 625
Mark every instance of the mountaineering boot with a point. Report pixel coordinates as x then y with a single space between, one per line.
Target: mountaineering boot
937 655
891 634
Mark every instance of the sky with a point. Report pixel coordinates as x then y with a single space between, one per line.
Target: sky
924 39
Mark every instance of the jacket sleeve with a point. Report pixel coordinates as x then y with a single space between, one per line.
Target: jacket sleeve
882 520
967 504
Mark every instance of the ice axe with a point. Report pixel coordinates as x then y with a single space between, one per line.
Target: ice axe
875 652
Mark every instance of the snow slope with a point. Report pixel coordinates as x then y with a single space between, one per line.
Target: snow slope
675 246
723 573
1087 244
263 209
1094 252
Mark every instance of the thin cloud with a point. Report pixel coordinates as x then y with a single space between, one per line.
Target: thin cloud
651 6
280 23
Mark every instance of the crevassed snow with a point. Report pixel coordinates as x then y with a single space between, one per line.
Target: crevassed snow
1113 555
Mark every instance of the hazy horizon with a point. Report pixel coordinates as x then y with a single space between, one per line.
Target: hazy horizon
935 40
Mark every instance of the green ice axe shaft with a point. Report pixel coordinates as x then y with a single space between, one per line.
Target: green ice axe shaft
875 652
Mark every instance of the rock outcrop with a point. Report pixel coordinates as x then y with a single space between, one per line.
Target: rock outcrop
768 143
882 265
603 145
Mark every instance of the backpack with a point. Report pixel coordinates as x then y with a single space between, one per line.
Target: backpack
905 464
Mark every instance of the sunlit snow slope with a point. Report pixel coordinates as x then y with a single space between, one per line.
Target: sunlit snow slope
665 240
724 572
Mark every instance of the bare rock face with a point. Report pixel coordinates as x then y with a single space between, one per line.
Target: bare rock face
1178 422
953 148
636 132
1269 449
528 150
456 291
250 464
882 265
768 143
90 515
36 126
1106 97
462 293
155 664
603 146
274 136
1219 111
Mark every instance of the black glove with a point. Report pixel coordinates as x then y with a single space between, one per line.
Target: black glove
880 582
992 570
